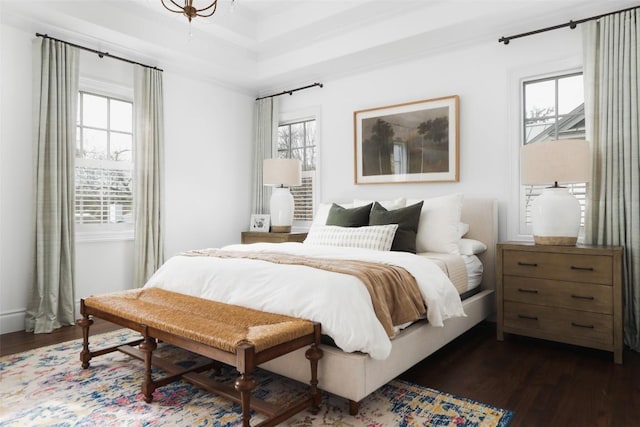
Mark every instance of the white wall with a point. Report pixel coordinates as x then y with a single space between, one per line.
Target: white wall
207 159
486 78
208 164
16 178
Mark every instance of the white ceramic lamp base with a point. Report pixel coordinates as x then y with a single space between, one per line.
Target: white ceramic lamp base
281 206
555 215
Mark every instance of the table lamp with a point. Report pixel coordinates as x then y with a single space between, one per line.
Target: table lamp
281 174
555 214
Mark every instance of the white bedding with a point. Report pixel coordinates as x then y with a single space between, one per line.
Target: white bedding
338 301
474 270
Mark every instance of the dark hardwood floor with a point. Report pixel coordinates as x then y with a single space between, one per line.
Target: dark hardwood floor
16 342
544 383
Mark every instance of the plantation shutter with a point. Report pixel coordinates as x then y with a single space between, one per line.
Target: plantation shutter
303 198
103 192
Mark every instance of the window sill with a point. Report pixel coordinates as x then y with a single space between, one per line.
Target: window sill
104 236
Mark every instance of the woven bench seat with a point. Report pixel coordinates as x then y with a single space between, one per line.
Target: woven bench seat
218 325
239 336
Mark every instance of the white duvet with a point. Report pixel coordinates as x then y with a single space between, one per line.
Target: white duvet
340 302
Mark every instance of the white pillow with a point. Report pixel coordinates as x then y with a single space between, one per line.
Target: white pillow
322 213
438 226
376 237
387 204
471 247
463 228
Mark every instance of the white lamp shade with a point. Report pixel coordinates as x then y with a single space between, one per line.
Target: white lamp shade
282 172
565 161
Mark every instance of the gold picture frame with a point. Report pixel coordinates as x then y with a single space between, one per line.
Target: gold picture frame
411 142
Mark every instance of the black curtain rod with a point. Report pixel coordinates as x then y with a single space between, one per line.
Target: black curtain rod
571 24
290 92
100 54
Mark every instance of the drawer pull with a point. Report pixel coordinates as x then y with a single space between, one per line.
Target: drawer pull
523 316
573 267
582 297
578 325
529 264
528 291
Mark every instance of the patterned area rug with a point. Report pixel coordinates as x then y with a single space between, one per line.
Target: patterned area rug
47 386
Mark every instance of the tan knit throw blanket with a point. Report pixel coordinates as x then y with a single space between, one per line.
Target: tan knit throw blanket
394 291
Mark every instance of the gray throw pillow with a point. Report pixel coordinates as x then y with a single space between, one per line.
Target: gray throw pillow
407 220
354 217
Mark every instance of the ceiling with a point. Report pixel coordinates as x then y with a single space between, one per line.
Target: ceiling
265 45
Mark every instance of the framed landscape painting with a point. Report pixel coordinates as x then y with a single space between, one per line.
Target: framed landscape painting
410 142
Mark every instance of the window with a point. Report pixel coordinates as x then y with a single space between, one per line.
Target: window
553 109
104 163
297 140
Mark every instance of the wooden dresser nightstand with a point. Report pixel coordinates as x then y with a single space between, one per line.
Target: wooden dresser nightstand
258 237
570 294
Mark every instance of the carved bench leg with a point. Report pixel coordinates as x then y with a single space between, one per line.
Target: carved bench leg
244 385
314 354
245 363
148 386
85 323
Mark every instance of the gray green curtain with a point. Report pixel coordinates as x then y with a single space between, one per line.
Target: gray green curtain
56 70
265 119
612 109
149 167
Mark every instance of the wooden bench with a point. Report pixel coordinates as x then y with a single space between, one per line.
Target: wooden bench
238 336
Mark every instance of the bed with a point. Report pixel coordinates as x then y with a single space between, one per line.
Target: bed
355 374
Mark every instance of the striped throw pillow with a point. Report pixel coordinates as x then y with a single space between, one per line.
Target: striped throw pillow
376 237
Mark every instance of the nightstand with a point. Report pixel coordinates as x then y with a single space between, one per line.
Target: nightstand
570 294
257 237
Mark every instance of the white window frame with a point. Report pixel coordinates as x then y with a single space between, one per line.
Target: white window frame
104 232
516 229
301 116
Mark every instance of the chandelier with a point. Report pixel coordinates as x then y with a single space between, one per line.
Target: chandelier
190 11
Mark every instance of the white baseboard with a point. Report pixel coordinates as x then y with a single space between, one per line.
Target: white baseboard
13 321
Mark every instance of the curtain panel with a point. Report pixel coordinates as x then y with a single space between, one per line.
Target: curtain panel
612 111
149 173
56 77
265 119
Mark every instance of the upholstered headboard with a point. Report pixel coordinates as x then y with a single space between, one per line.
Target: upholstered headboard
482 217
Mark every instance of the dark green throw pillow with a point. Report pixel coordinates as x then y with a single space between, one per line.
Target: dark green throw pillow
354 217
407 220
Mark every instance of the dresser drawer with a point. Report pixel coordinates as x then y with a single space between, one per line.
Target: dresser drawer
558 266
552 293
571 326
